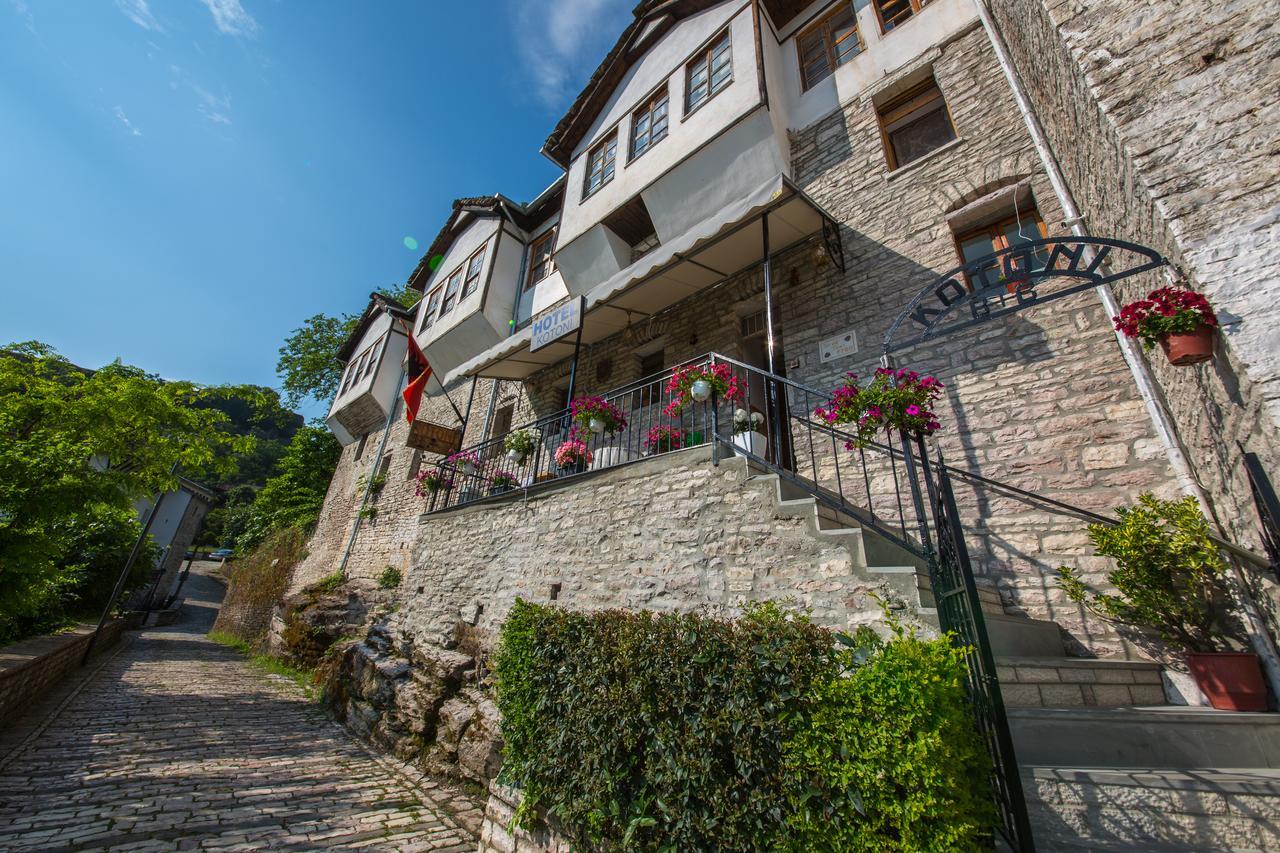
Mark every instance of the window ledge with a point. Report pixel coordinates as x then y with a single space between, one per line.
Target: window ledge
919 161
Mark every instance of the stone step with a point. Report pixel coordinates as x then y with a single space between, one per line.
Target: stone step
1063 682
1160 810
1022 637
1173 736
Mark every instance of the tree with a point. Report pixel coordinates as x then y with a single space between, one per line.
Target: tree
294 497
308 366
78 448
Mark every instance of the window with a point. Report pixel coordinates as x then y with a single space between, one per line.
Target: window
633 224
915 124
893 12
541 262
451 292
829 43
648 395
364 439
499 428
373 353
429 312
708 72
474 265
649 123
415 465
347 378
1017 230
384 466
600 163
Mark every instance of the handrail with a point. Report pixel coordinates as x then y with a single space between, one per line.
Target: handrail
974 477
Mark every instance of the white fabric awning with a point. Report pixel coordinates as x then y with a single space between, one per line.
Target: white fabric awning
718 247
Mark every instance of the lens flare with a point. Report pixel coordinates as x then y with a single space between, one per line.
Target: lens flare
436 260
410 243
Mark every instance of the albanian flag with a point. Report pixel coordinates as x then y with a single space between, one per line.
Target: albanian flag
419 372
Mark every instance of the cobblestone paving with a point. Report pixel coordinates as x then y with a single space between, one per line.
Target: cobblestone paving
180 743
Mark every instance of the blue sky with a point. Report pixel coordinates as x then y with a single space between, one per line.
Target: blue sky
182 182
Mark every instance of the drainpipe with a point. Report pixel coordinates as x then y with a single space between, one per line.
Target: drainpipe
1259 636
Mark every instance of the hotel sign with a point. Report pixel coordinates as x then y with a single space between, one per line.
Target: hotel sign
553 325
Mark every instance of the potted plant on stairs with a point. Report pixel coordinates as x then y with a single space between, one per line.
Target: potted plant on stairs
1181 321
748 433
1170 577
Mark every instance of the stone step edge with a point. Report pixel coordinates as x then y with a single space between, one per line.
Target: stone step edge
1150 714
1085 663
1261 781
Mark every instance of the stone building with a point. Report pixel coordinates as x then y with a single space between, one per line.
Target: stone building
789 185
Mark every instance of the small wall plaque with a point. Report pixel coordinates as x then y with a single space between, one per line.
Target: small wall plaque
840 346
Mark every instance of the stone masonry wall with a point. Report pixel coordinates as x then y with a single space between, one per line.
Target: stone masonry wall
385 539
1165 118
30 668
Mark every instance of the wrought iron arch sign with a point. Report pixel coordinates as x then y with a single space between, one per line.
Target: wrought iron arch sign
1013 279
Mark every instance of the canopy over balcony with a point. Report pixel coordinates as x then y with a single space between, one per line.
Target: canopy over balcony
724 244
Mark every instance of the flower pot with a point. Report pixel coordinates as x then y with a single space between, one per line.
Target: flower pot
607 457
467 468
516 456
596 425
1191 348
751 442
574 467
497 490
700 390
1232 681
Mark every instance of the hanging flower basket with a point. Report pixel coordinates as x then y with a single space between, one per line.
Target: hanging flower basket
662 438
432 481
518 445
895 400
597 415
1181 321
502 482
696 383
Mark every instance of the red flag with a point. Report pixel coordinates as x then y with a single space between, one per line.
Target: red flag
419 371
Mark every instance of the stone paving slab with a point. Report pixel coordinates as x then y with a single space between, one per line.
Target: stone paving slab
179 743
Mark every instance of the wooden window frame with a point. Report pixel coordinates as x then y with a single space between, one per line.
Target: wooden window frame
608 148
1028 212
916 7
454 283
823 25
704 57
429 309
471 280
549 267
661 95
908 106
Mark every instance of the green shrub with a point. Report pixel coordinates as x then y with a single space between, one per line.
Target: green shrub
684 732
329 583
1169 575
390 578
638 730
887 756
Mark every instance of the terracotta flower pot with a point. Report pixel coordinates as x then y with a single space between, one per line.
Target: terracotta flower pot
1191 348
1232 681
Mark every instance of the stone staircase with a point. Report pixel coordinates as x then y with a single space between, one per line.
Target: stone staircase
1107 764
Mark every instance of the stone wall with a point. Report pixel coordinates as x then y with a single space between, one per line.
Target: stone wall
1165 118
30 668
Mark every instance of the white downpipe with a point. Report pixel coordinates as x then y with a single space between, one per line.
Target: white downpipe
1259 636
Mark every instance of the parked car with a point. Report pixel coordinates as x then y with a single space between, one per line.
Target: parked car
222 554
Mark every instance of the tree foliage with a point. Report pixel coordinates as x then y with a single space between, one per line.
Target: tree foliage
294 497
77 449
308 366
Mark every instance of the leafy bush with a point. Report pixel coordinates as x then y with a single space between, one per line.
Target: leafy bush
390 578
1169 576
256 582
684 732
887 757
329 583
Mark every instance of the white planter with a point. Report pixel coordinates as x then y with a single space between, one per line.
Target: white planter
607 457
597 425
467 468
752 442
516 456
700 390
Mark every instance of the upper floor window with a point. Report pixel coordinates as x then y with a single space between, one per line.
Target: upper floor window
373 353
433 302
1017 230
915 123
451 288
894 12
474 265
708 72
830 42
600 164
541 262
649 123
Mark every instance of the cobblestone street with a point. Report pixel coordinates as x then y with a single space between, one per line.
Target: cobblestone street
176 742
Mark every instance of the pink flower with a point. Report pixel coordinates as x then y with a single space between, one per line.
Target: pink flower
913 410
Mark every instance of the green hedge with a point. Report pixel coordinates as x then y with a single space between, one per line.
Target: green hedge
684 732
